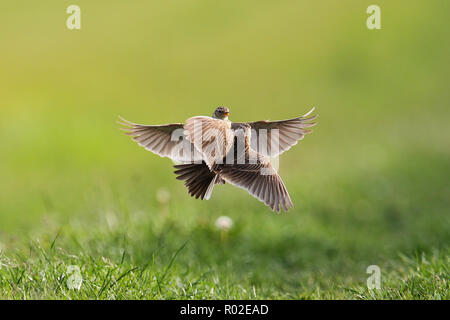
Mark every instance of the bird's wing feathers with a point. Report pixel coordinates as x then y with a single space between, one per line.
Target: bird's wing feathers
260 179
270 142
213 138
163 140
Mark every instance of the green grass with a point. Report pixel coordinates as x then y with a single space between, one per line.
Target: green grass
369 185
44 274
130 246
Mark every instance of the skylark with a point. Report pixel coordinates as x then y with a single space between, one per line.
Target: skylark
214 150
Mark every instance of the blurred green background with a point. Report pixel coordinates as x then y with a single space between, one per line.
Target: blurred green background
369 184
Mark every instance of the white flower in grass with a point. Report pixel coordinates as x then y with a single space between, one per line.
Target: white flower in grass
74 279
111 220
224 223
162 196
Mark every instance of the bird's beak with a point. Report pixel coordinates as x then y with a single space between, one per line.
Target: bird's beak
227 114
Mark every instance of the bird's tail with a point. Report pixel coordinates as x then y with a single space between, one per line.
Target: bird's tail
200 180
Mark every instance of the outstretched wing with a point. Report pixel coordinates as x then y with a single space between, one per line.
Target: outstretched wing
164 140
272 138
260 179
213 138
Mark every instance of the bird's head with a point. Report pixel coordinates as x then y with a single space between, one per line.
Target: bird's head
221 113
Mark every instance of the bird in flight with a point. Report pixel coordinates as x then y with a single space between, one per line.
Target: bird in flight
214 150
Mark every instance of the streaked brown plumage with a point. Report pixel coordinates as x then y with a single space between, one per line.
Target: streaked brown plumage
214 150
